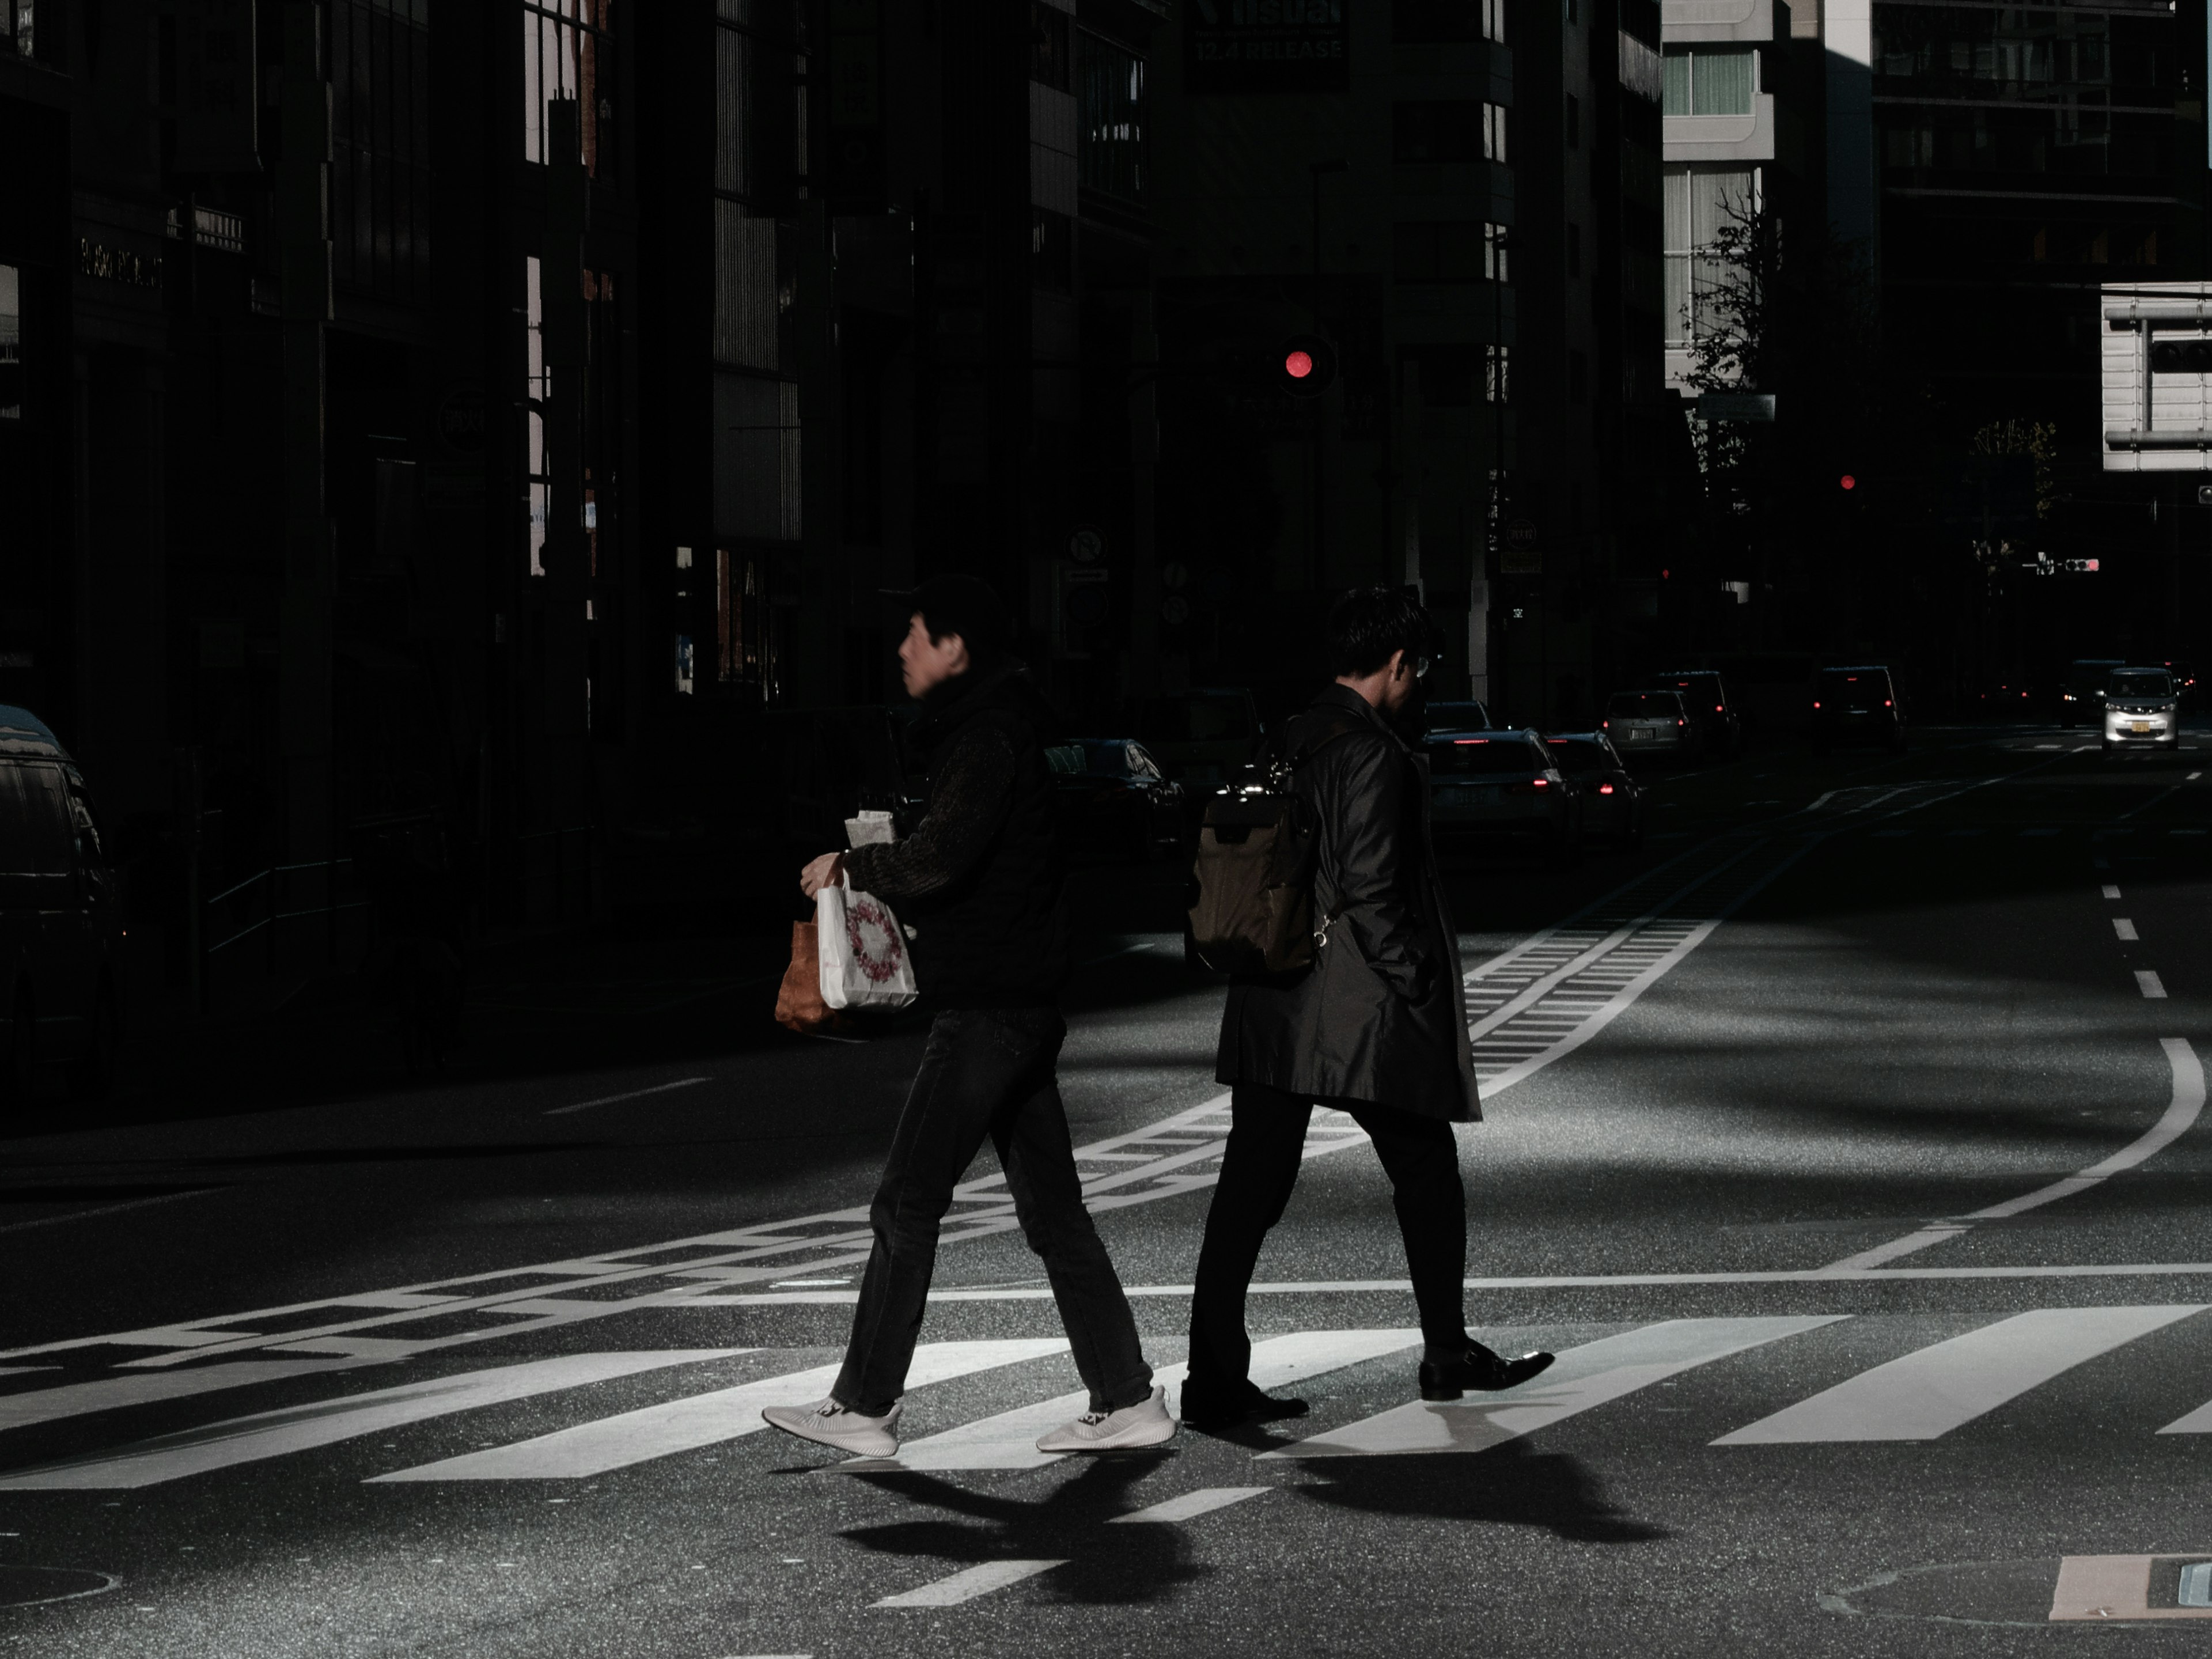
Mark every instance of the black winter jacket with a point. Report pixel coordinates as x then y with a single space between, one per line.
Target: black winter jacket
1382 1015
978 884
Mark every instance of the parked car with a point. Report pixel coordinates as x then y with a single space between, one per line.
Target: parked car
1856 705
1500 786
1466 715
1201 736
1705 700
1113 800
1610 799
2081 698
2142 709
1651 725
60 922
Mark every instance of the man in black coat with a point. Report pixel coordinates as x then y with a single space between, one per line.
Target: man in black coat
977 889
1377 1027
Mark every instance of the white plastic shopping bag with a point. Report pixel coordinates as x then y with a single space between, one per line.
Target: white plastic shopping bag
864 957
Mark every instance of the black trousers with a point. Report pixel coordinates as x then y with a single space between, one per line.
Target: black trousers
1266 1141
987 1071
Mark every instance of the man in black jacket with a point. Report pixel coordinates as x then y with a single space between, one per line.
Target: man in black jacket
1377 1027
977 888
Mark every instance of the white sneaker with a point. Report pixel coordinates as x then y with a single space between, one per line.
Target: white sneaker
1144 1423
832 1424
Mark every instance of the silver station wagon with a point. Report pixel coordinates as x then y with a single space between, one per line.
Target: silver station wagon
1649 726
1500 786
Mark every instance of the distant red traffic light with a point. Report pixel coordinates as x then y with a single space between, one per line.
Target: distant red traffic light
1849 481
1298 365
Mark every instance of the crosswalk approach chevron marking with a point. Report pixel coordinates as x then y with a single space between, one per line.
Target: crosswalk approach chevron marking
1008 1440
702 1419
1581 1377
272 1434
1927 1394
970 1582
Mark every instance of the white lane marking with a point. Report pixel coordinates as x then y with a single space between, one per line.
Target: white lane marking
699 1419
2196 1422
2125 928
2106 1588
970 1582
2150 984
2110 891
2184 1104
1191 1504
1581 1378
143 1388
1924 1396
2192 777
633 1094
108 1209
1008 1441
273 1434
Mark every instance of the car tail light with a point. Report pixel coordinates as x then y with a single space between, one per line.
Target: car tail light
1605 789
1816 702
1718 709
1681 722
1885 702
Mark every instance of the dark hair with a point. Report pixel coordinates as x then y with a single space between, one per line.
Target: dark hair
1369 624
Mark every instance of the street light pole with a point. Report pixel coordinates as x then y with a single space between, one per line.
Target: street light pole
1316 169
1495 385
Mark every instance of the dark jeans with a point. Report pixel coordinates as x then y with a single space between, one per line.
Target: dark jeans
1267 1140
988 1071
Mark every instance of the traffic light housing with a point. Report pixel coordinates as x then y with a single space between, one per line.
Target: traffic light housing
1306 366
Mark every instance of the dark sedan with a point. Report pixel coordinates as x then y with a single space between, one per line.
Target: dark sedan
1114 801
1612 804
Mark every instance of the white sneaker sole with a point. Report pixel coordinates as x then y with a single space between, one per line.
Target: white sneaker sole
1133 1438
800 1424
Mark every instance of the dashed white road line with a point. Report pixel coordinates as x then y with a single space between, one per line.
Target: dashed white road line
633 1094
1192 1504
2150 984
2125 929
2110 891
971 1582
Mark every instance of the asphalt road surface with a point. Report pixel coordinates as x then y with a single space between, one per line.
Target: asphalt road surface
1845 1144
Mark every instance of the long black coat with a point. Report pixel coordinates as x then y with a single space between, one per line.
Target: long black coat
1382 1015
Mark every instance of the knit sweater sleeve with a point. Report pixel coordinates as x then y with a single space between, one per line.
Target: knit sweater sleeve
968 802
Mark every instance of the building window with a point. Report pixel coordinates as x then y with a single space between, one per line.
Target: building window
1110 134
380 148
1495 388
1052 249
1437 22
1640 71
18 30
11 344
1453 250
567 53
747 644
1050 64
1697 203
1457 131
1709 79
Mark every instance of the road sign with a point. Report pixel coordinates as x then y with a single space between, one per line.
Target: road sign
1087 545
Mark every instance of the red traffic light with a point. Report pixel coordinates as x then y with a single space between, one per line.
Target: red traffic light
1849 481
1309 366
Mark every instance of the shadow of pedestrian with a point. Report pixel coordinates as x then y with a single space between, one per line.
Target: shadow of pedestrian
1510 1484
1128 1564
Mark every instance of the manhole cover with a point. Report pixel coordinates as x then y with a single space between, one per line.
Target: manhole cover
24 1587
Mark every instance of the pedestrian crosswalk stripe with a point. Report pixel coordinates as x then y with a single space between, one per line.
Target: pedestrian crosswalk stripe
144 1388
970 1582
1008 1441
1929 1393
702 1419
1581 1377
272 1434
1192 1504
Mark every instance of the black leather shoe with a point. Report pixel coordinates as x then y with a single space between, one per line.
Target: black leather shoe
1476 1367
1211 1410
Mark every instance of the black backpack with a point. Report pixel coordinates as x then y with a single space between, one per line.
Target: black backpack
1254 870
